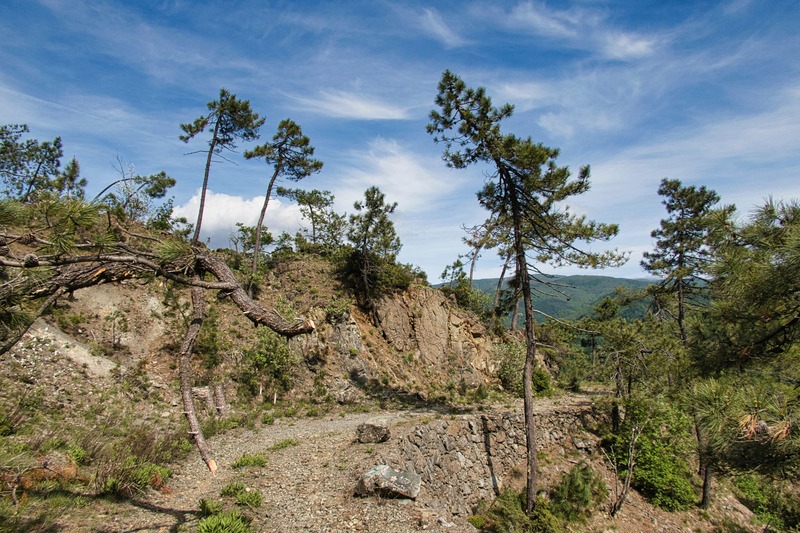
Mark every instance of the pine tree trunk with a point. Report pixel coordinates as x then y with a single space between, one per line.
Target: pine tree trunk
705 501
185 375
530 353
212 145
259 226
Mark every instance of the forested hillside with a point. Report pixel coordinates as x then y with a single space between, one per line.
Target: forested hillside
576 297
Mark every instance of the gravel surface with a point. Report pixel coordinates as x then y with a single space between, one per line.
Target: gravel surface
307 486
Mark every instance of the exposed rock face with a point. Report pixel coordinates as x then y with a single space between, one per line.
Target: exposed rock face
373 431
423 343
388 482
422 321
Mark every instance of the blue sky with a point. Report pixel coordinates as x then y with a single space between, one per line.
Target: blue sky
706 92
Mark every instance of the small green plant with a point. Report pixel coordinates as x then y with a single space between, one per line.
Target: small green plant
511 359
249 498
285 443
227 522
78 454
578 493
507 514
233 489
209 507
250 460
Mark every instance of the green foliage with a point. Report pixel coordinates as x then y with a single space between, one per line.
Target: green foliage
661 472
227 522
773 502
577 494
78 454
371 262
250 460
210 343
327 226
338 308
232 489
20 409
249 498
684 240
458 286
137 462
209 507
507 515
268 363
132 198
231 120
511 358
28 167
285 443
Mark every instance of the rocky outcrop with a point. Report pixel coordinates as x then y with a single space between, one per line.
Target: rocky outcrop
423 322
423 343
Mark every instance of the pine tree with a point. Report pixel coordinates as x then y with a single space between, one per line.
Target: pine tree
683 244
289 153
230 120
526 191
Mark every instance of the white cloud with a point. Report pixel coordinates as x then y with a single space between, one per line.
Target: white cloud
580 28
415 183
536 18
223 211
342 104
618 45
432 21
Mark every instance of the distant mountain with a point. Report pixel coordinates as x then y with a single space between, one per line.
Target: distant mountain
574 297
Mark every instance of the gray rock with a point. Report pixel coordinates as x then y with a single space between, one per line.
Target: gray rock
388 482
372 431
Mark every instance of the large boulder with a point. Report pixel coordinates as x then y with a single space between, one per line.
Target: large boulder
385 481
373 431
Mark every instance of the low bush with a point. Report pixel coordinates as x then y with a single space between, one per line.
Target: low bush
577 494
227 522
507 515
250 460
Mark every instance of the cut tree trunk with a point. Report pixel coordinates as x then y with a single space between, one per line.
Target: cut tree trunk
185 375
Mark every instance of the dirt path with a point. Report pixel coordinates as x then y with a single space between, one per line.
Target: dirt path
307 486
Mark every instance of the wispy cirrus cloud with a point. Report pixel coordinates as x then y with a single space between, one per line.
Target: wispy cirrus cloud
580 28
344 104
416 182
433 22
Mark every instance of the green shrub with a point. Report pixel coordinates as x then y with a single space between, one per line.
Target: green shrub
250 460
136 462
511 356
268 364
209 507
78 454
577 494
233 489
227 522
285 443
771 502
249 498
661 472
507 515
